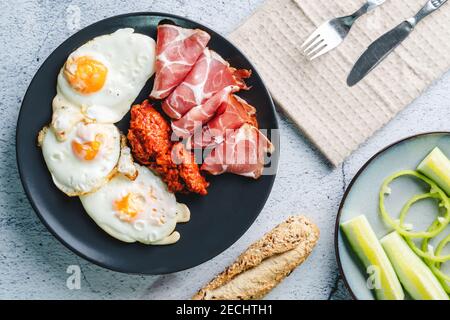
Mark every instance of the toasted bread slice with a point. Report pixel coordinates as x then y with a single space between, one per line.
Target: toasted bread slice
265 263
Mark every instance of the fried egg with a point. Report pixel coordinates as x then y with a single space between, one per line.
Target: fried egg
86 160
100 80
126 164
142 210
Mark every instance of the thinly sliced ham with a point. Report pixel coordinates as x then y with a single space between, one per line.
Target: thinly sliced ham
242 152
232 114
210 75
177 50
201 114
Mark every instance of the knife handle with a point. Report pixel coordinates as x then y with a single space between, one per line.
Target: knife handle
429 8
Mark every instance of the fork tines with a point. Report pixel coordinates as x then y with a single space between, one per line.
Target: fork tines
324 39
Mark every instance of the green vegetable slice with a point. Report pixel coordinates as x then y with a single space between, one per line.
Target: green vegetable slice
413 273
366 245
435 192
436 166
435 226
436 266
432 259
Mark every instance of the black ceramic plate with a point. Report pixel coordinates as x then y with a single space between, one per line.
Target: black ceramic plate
217 220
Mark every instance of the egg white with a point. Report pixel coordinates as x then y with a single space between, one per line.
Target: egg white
126 164
75 176
129 58
156 202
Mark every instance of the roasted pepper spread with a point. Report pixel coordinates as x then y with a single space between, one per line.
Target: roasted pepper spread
149 137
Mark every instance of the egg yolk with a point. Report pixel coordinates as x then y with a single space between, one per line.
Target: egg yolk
128 206
87 150
85 74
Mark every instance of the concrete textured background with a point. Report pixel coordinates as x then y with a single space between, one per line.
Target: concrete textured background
33 263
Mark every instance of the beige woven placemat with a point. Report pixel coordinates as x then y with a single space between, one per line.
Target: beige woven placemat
315 94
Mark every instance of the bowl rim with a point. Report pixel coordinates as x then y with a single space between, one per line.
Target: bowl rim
348 189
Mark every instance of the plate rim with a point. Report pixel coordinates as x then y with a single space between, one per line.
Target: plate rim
347 191
28 193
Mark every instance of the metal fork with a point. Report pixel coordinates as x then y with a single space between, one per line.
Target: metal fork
331 33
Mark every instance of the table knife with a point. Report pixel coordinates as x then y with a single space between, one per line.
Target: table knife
387 43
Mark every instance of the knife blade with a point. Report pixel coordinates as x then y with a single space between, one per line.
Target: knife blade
378 51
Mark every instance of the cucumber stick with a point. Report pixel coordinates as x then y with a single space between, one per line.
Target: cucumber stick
413 273
436 166
366 245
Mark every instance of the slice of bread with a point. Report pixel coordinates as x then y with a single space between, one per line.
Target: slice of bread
265 263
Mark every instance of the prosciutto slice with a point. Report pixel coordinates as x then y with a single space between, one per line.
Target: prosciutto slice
232 114
242 153
210 75
177 50
201 114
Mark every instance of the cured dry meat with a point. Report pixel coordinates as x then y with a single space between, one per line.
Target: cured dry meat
242 152
177 50
210 75
232 114
149 137
201 114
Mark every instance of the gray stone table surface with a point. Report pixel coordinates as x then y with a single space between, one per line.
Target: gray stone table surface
33 264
